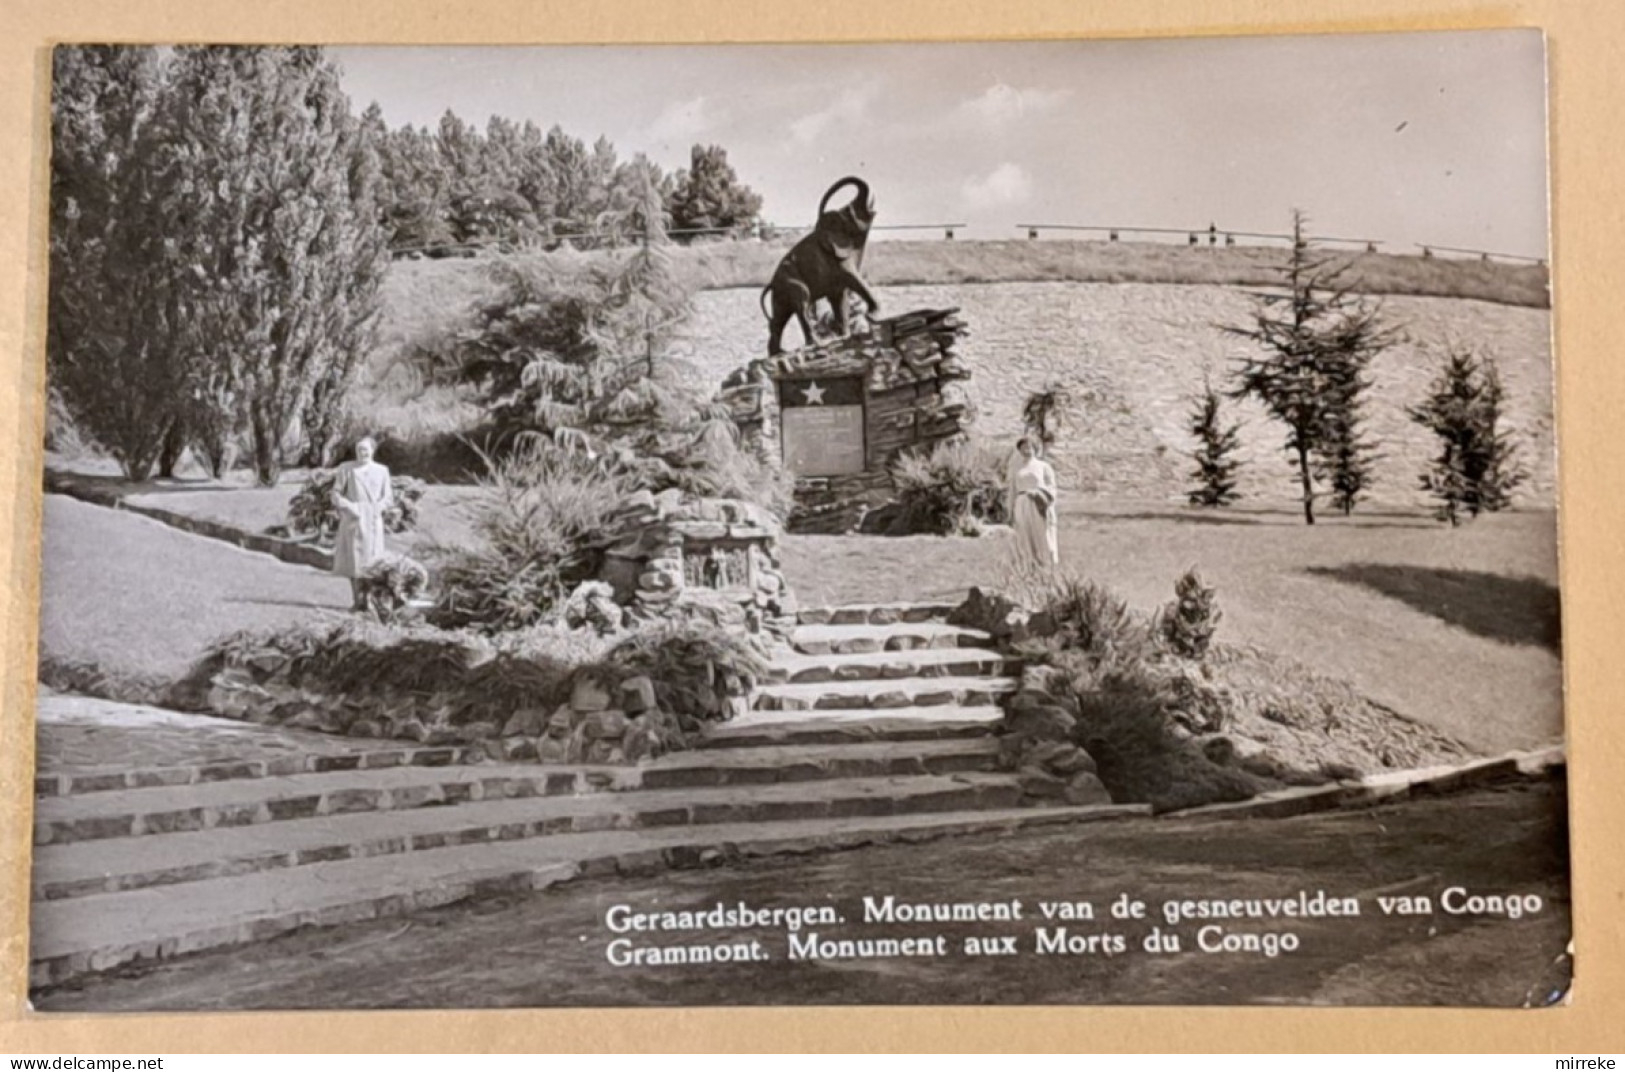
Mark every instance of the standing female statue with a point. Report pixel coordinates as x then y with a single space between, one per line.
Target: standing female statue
361 494
1032 505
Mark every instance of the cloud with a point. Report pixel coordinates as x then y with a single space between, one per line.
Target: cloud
1003 104
1007 184
850 106
681 123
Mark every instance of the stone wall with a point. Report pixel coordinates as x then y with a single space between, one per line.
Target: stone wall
673 556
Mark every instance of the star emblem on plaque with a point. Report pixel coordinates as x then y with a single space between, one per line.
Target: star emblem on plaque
813 394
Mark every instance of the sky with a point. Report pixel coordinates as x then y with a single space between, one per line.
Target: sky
1408 139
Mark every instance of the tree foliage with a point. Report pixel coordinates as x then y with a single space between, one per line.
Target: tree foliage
114 312
1316 344
1044 410
216 251
580 356
709 194
284 248
1217 443
1477 468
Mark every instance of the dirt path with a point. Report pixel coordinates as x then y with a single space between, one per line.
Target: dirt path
552 949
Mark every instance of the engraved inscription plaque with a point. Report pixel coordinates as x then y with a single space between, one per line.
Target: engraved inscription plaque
822 426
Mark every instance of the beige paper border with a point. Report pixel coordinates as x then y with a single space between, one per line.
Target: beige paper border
1587 63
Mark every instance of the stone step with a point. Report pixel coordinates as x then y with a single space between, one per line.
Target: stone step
904 636
776 762
875 613
758 728
885 694
162 810
104 779
891 665
95 933
171 809
92 868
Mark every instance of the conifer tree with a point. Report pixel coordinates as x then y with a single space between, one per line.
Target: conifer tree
1316 344
1217 444
281 236
114 318
1477 468
710 195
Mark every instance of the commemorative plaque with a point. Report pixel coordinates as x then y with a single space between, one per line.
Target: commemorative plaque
822 425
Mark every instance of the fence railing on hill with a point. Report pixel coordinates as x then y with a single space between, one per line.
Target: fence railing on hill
1213 234
616 240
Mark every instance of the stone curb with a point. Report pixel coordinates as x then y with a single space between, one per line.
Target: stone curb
1380 788
293 552
700 852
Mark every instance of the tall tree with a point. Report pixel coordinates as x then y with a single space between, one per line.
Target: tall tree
1316 342
285 244
114 316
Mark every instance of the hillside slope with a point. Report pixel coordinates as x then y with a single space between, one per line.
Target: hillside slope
1134 355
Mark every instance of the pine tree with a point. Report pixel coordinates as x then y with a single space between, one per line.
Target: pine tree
1346 459
1312 371
1216 463
1477 467
709 194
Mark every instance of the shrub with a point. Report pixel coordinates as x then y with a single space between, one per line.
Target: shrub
958 481
538 530
311 510
1129 703
1188 623
391 584
1088 620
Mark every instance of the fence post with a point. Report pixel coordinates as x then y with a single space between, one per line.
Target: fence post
948 235
1111 236
1194 240
1032 233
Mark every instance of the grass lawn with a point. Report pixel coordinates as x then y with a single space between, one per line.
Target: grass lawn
141 600
1457 629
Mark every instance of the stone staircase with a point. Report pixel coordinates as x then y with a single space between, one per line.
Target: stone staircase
877 726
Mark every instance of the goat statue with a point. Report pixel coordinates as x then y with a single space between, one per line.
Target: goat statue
822 265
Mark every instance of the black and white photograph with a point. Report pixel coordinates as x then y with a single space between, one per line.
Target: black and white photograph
1035 523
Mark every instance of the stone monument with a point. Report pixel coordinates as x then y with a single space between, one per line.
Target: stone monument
839 413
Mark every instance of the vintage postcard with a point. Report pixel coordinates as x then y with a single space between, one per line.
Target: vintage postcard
1032 523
